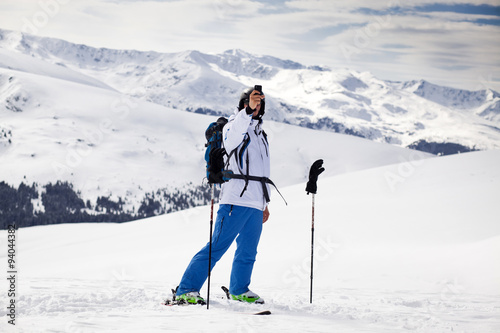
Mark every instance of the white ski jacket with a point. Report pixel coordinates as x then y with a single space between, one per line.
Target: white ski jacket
246 144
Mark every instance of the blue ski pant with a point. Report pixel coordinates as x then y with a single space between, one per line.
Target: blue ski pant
242 223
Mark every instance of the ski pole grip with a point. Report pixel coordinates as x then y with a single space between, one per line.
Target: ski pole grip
315 170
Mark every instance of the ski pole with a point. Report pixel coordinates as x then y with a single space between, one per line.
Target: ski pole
212 187
311 187
312 250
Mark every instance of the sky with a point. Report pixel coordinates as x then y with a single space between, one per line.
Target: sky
453 43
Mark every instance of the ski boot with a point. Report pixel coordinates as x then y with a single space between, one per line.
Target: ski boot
249 297
192 297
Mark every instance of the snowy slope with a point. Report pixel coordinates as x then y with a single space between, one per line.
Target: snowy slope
339 100
412 246
64 126
25 63
113 122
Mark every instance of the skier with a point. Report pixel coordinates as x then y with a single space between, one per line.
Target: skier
243 204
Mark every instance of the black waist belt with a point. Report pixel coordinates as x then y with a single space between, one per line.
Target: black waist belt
262 180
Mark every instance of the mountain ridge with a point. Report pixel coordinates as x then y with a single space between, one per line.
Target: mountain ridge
109 128
338 100
120 157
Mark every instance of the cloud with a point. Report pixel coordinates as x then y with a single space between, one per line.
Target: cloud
450 42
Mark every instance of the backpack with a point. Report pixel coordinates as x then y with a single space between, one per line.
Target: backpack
214 156
214 152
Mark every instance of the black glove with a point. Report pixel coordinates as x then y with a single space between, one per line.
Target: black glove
216 166
314 172
249 111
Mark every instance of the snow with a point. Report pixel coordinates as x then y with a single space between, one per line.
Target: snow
405 241
22 62
299 95
407 247
84 134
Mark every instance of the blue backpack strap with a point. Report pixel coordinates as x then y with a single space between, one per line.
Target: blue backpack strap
213 134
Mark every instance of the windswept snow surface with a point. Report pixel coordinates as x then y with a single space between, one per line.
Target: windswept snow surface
408 247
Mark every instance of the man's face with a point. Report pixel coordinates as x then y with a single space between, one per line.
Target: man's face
256 112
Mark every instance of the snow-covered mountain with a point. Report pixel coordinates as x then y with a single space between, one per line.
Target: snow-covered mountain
113 123
405 241
122 154
414 114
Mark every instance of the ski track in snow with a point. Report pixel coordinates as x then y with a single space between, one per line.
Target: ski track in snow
61 305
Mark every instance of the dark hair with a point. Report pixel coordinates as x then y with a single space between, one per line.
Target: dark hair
244 99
